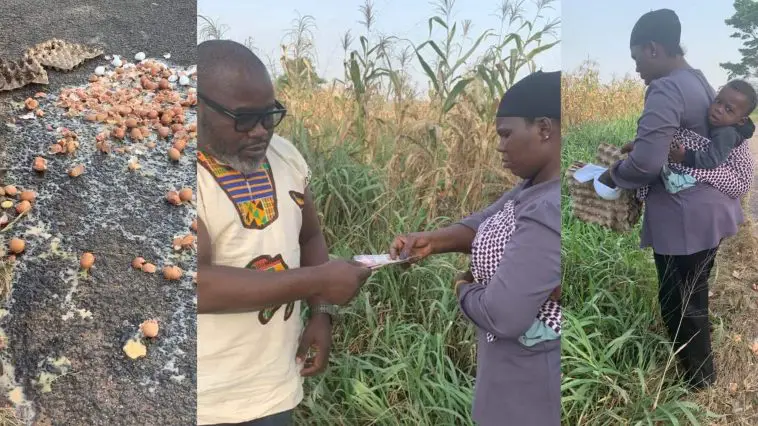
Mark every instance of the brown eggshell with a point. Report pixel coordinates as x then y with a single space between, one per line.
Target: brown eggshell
29 196
138 262
172 273
173 198
23 207
87 260
39 164
185 194
17 246
174 154
149 328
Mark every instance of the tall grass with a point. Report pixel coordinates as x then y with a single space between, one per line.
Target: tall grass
615 356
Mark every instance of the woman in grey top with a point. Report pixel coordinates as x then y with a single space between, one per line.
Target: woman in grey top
511 292
684 229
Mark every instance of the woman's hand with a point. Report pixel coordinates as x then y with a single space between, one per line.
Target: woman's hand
627 148
414 246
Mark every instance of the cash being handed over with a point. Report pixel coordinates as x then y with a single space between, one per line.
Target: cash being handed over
377 261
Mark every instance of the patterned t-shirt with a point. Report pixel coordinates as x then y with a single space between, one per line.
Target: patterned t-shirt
246 365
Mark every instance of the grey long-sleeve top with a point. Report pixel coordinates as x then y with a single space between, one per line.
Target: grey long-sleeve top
696 218
516 384
508 305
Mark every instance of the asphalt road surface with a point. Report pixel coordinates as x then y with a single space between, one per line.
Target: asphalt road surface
59 324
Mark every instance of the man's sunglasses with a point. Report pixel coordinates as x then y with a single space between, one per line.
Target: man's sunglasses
247 120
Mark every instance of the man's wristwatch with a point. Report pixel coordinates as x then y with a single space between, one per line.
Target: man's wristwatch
323 308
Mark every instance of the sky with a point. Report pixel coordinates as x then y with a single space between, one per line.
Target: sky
600 30
267 23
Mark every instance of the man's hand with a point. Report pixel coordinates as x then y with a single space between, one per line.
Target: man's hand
627 148
341 281
317 335
677 152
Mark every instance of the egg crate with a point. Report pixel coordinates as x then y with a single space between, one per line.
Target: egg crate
62 55
18 73
31 67
620 215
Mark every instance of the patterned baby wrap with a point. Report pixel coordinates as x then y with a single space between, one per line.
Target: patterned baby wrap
733 177
487 250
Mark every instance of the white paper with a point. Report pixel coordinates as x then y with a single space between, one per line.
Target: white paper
589 172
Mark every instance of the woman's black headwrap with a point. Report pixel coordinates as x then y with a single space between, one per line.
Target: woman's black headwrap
536 95
660 26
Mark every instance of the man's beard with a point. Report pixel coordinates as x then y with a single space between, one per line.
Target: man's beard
245 167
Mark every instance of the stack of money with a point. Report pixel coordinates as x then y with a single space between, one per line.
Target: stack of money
620 215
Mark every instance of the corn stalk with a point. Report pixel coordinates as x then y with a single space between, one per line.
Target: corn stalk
447 82
516 48
365 68
299 54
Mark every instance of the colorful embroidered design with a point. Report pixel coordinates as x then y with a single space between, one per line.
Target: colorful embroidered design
273 264
254 195
298 198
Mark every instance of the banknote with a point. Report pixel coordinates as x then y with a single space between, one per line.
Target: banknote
375 261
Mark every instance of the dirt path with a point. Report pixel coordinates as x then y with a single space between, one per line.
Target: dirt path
63 363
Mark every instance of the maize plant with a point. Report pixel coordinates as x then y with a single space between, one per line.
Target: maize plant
517 48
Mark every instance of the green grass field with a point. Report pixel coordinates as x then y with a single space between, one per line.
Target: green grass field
616 358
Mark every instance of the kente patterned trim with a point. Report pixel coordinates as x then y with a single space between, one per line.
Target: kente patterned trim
273 264
256 206
298 198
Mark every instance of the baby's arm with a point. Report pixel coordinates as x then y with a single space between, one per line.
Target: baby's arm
723 139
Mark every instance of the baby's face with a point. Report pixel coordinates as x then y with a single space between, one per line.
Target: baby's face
729 108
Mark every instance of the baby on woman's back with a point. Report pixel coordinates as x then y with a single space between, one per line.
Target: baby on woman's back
730 125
